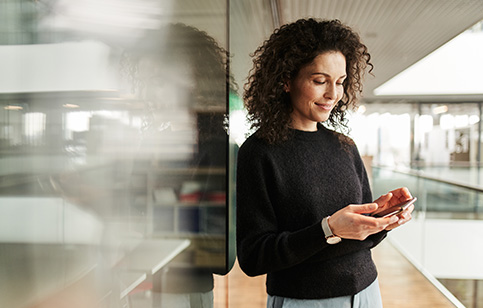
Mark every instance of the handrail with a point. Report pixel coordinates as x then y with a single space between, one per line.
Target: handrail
420 174
438 285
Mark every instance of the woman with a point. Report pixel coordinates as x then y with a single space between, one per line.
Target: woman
302 190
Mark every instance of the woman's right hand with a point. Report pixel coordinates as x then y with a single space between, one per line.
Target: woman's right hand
350 223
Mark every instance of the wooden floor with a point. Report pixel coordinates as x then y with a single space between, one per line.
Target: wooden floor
402 286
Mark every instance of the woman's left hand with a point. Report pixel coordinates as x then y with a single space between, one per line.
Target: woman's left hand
392 198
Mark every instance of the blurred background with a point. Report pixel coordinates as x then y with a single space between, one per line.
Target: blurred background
120 120
114 150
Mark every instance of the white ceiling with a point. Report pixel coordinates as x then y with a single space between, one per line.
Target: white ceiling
453 69
398 33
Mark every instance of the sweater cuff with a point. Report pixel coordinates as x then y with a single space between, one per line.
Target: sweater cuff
378 237
315 234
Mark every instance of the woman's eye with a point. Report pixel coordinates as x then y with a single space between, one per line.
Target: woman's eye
319 82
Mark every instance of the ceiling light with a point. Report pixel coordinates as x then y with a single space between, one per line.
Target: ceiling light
440 109
13 107
70 106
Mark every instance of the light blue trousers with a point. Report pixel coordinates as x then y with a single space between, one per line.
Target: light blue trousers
370 297
193 300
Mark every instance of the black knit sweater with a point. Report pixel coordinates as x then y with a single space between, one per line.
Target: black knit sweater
283 192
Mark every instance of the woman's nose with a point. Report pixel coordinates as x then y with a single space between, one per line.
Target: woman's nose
331 91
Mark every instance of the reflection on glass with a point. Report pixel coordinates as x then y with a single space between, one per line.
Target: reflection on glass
113 179
182 151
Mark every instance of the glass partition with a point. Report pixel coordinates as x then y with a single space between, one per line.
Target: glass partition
434 149
443 239
113 152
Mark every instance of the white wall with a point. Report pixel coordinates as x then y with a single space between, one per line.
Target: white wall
73 66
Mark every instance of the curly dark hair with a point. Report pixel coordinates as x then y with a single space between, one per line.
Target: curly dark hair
280 58
179 43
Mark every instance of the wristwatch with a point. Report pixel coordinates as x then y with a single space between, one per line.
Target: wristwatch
329 236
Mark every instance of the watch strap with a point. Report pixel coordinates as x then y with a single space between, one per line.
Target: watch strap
329 236
326 227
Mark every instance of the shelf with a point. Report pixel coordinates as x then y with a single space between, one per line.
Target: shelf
189 171
188 235
191 205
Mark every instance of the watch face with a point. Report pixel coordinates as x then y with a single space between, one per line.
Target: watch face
333 240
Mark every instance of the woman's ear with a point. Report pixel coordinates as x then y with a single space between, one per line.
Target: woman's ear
286 86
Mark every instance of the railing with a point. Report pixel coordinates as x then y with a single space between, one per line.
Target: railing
439 196
444 239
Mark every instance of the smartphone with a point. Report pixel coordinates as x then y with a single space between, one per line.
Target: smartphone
393 210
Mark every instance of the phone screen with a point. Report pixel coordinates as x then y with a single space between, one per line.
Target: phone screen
393 210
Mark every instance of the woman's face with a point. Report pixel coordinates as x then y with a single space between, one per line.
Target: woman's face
316 89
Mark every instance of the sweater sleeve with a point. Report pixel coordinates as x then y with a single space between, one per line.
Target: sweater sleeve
261 247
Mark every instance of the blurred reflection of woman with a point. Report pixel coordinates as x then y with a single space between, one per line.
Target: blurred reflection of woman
180 74
302 188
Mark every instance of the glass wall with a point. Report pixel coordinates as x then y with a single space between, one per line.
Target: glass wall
443 239
434 149
113 152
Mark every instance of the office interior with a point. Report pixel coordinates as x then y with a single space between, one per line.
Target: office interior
120 123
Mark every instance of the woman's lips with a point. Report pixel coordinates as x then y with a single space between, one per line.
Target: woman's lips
325 106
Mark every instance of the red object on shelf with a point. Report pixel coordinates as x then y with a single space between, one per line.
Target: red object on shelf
216 196
190 198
